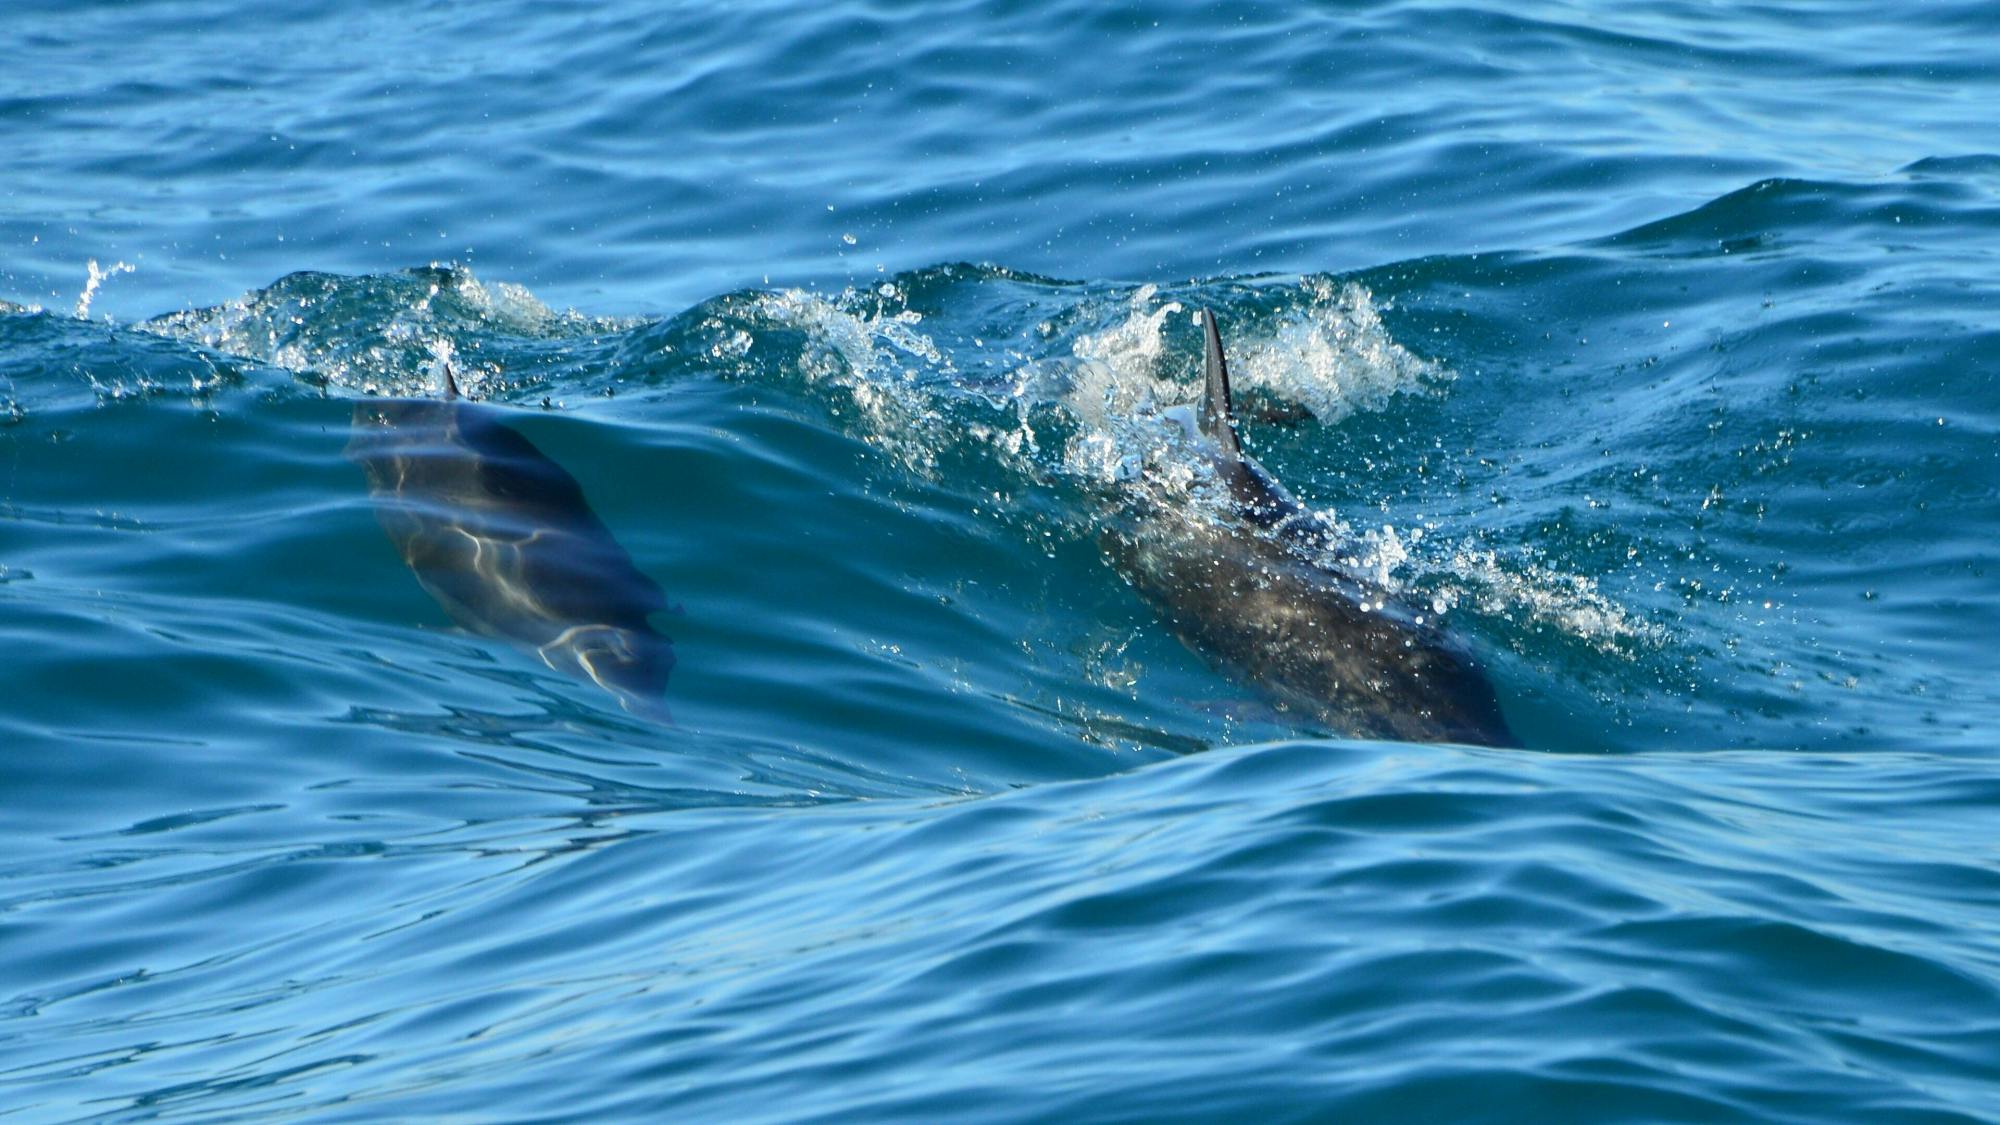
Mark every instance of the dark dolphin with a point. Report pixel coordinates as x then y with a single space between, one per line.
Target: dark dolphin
1250 588
501 536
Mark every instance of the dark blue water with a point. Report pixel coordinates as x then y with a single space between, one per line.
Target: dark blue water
1650 349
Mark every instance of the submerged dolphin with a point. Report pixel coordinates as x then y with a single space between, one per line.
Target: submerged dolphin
501 536
1250 588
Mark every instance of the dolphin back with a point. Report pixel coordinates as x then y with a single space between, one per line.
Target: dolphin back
503 538
1250 589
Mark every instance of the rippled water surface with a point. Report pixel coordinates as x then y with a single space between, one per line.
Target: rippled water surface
1650 349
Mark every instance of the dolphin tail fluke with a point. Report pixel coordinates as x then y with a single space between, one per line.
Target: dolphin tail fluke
1217 418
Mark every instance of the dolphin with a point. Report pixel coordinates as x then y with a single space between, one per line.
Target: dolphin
1250 586
501 536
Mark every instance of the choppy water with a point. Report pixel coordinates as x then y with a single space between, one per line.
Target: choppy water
1654 349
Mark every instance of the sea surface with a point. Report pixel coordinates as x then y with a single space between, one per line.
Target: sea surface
1652 348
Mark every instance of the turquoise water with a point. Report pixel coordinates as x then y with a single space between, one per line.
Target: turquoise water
1652 349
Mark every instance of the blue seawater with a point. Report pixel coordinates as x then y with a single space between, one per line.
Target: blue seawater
1652 346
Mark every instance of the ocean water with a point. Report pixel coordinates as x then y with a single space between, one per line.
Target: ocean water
1651 348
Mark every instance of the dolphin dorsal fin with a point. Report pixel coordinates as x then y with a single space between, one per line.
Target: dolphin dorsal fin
1217 419
450 383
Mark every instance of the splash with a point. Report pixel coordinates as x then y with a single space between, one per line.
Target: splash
1111 396
1478 578
97 278
1330 354
1333 356
1116 396
1118 368
890 371
375 334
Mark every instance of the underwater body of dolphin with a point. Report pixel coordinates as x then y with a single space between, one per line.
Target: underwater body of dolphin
1251 589
501 536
